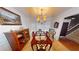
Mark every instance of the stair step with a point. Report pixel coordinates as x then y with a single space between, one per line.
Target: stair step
74 35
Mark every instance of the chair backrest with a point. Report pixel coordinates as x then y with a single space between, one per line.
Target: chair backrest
33 38
43 44
47 34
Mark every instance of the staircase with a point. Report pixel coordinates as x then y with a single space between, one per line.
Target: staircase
73 29
74 35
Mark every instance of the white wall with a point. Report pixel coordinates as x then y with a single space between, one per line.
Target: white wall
60 19
34 25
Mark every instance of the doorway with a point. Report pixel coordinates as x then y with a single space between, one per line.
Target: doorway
64 29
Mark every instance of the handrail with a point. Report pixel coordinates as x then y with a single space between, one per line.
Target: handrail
72 27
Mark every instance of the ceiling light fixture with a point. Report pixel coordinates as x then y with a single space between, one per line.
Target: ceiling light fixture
42 16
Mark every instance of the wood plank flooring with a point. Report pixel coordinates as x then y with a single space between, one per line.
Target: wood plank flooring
58 45
73 46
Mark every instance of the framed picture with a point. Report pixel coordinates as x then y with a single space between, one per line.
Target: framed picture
8 17
56 24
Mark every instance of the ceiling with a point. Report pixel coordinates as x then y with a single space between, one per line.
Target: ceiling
45 10
49 11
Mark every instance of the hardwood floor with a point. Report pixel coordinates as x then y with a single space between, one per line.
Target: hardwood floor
73 46
56 46
28 47
61 45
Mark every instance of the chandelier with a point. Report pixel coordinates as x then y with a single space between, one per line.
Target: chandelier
42 16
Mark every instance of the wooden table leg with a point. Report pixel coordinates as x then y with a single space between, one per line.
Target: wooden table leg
50 47
32 47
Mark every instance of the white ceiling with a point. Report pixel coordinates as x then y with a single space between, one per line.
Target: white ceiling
54 11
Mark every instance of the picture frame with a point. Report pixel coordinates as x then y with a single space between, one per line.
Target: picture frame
56 24
8 17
